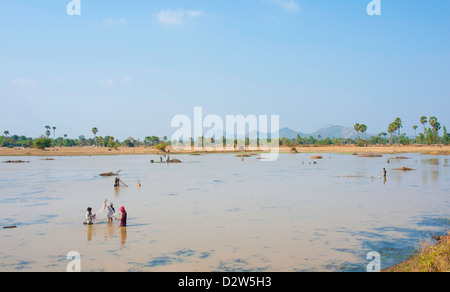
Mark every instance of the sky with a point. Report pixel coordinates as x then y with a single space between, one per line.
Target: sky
129 67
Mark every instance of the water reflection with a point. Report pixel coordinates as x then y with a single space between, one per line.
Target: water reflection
109 232
244 216
431 161
432 171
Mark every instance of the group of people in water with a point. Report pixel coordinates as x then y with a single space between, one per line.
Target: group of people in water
109 209
110 215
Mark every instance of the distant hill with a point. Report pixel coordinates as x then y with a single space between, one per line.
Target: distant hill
289 133
331 131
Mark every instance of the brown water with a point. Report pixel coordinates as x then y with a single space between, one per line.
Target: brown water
217 213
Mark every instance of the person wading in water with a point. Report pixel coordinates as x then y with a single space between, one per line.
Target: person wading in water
123 217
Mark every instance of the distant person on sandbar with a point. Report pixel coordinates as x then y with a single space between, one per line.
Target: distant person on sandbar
123 217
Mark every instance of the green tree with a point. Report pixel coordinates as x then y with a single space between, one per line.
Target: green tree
95 131
363 129
54 130
357 128
429 137
398 123
47 132
42 143
392 129
446 137
152 140
415 131
82 140
423 121
6 133
161 146
436 127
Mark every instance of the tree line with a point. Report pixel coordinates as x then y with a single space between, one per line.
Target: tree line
46 141
429 136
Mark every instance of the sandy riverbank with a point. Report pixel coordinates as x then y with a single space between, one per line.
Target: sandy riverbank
86 151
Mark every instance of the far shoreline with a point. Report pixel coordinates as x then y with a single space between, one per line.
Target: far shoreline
142 150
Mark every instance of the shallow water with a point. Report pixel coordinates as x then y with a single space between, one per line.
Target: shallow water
217 213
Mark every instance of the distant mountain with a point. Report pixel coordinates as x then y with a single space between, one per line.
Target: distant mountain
331 131
291 134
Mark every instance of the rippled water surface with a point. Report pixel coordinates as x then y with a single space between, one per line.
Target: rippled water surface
218 213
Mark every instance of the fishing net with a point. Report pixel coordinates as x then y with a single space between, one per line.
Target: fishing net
104 213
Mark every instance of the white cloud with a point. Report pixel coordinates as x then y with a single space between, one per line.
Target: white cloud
111 82
193 13
288 5
108 82
176 17
23 82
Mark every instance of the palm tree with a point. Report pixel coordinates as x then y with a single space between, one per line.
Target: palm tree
95 131
445 137
398 122
100 141
415 131
392 129
432 121
384 135
423 121
436 127
54 129
6 133
47 132
357 128
363 129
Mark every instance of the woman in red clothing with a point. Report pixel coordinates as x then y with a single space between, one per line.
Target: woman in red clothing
123 217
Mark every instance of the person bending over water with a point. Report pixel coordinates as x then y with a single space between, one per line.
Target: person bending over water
111 212
89 216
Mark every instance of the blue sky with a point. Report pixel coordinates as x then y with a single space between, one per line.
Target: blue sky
128 67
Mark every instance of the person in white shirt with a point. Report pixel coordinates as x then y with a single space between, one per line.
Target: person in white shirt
89 216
